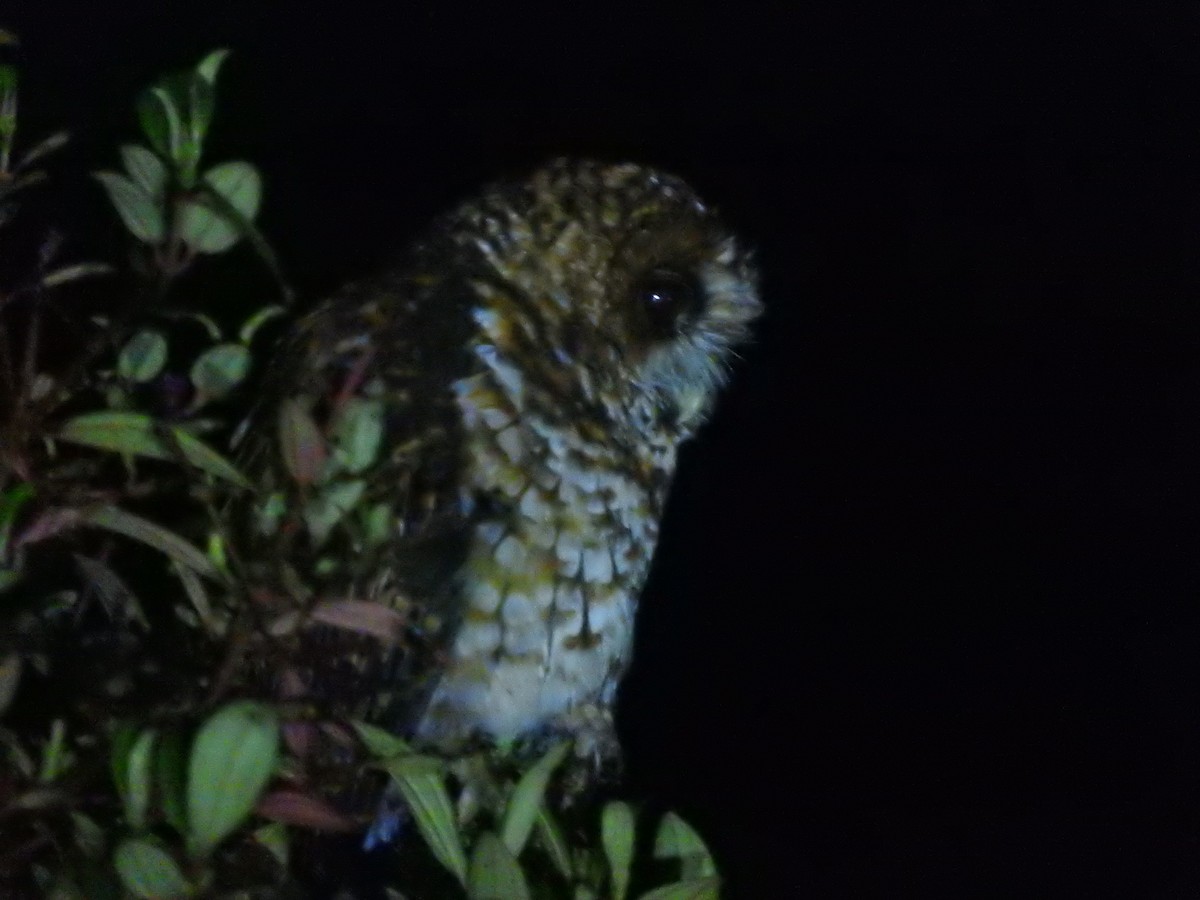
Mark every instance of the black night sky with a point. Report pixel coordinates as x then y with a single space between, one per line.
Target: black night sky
924 620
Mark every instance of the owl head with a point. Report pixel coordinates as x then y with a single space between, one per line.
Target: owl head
613 289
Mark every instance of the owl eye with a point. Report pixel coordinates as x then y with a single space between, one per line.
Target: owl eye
666 297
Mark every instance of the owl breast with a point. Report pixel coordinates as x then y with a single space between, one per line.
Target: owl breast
550 583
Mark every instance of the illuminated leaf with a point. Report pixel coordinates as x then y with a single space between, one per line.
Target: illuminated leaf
139 211
421 782
220 369
232 759
528 796
494 873
115 519
143 357
148 871
146 169
692 889
211 224
138 435
379 742
301 442
617 835
676 839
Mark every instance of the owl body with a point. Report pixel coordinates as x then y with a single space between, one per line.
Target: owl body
525 377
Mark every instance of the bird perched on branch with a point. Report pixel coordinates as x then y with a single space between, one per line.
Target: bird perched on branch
463 462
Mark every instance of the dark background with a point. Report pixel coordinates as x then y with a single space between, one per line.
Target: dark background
924 618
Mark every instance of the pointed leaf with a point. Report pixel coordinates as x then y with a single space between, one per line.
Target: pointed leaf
43 148
137 209
211 65
160 121
359 434
494 873
119 602
202 104
75 272
146 169
330 506
89 836
232 759
211 224
170 776
139 769
115 519
528 796
554 842
362 616
692 889
148 871
143 357
304 810
274 838
421 782
10 677
379 742
617 834
257 320
301 442
220 369
677 839
137 434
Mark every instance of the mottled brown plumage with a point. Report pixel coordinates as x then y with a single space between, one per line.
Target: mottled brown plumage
482 440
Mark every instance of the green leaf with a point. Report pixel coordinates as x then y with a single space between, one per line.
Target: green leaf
139 211
89 836
300 442
146 169
121 432
115 519
211 65
160 120
527 798
131 758
206 322
10 678
44 147
122 742
220 369
420 780
691 889
143 357
202 104
550 833
617 835
213 224
75 272
148 871
233 757
256 321
55 756
359 434
379 742
11 502
274 838
138 435
205 458
330 506
139 769
494 873
170 775
676 839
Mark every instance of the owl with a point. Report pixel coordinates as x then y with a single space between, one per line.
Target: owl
478 444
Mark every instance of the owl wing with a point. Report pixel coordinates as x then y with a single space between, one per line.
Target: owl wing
356 447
